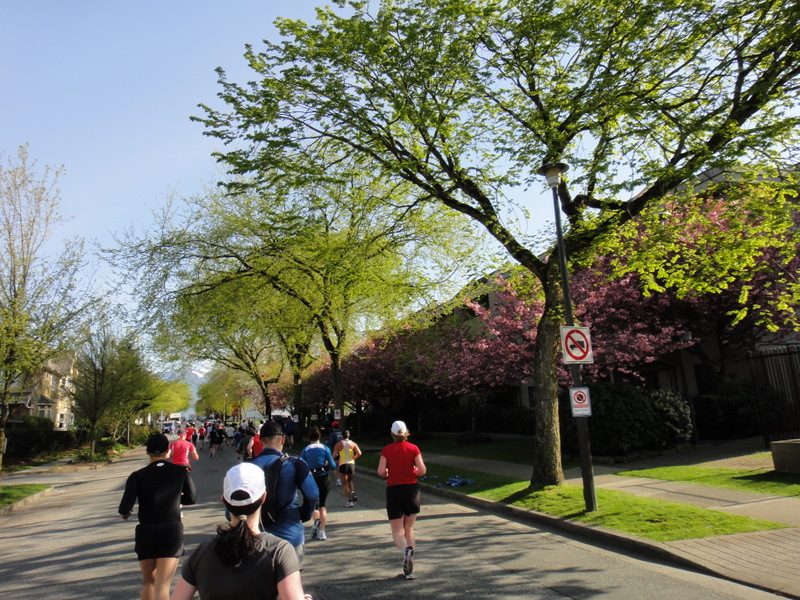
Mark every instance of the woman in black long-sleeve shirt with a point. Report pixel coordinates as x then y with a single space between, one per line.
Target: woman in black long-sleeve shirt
161 488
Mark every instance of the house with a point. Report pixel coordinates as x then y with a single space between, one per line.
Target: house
46 394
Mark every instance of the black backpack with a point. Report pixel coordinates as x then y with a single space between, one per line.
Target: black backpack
271 510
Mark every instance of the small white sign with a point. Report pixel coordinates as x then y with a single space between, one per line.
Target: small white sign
580 401
337 414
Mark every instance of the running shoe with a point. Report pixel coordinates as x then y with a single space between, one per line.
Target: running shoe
338 482
353 497
408 562
349 504
315 529
322 535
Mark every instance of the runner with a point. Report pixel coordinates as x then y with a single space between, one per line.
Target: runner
294 476
346 452
215 435
201 436
319 459
181 449
161 488
401 463
334 437
240 561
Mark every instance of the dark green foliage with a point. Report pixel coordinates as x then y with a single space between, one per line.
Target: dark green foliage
627 419
731 414
34 436
469 438
488 419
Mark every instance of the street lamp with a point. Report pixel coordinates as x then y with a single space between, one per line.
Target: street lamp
552 172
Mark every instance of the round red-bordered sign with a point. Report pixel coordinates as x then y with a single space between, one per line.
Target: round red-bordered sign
576 345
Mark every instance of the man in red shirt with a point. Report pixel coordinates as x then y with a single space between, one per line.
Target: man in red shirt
180 451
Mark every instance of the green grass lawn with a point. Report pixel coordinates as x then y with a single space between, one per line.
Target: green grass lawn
649 518
12 493
508 449
652 519
761 481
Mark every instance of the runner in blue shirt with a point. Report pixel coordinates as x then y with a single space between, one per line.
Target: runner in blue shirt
319 459
295 475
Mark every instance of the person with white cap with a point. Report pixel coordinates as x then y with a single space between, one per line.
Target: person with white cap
239 561
400 464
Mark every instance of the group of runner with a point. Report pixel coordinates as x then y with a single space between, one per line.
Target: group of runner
162 488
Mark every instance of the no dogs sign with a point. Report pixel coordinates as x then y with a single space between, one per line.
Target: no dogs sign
579 399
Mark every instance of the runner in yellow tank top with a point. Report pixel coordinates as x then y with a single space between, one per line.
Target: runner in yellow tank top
345 453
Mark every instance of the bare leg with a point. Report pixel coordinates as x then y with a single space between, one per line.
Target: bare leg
408 528
403 531
165 571
148 568
347 485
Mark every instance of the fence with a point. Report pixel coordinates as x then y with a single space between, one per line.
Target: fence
776 375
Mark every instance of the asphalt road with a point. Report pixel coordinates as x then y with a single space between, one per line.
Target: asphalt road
72 545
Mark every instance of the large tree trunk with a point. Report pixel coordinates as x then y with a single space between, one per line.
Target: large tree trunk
547 435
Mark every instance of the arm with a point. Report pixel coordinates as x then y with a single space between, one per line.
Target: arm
356 451
128 498
189 492
336 449
382 470
329 458
305 481
289 588
184 591
419 465
195 455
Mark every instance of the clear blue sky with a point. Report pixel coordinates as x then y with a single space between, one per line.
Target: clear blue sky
106 88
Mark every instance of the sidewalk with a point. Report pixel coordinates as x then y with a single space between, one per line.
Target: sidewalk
766 560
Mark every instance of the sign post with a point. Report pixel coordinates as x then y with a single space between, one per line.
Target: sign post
575 341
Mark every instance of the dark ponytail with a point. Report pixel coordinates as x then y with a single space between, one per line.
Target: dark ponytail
234 544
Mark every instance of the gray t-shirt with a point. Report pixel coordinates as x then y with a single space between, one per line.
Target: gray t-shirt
255 579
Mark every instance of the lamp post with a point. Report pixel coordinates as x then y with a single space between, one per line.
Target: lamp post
552 173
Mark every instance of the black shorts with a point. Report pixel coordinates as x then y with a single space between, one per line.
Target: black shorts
402 500
347 469
324 484
159 540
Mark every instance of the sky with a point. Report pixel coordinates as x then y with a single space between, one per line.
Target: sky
106 88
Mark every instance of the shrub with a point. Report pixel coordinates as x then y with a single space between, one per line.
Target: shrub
469 438
34 436
627 419
731 414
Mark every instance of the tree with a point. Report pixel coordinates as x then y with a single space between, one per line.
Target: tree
223 389
236 325
171 396
113 383
341 253
41 299
465 100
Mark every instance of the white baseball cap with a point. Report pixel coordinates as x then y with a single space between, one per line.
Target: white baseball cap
398 427
244 477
